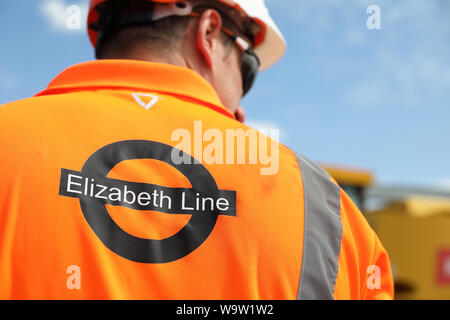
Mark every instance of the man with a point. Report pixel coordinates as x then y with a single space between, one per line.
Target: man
132 177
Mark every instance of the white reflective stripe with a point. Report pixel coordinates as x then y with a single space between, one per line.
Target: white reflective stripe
322 233
242 44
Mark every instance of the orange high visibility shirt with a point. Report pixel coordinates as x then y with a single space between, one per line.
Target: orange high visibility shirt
98 199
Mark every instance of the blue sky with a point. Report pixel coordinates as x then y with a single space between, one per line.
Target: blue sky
343 94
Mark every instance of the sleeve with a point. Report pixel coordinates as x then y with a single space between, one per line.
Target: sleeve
364 265
379 282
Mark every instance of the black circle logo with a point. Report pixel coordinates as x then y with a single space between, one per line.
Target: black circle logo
188 239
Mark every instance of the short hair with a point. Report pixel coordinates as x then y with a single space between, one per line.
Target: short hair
163 35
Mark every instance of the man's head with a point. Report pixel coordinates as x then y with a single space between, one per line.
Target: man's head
209 37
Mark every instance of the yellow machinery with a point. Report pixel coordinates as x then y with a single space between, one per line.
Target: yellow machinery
415 231
353 181
416 234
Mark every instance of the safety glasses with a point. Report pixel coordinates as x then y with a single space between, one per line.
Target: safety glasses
249 61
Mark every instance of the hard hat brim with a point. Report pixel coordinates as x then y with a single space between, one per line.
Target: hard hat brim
272 49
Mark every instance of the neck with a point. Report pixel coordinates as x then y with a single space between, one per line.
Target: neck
168 59
180 60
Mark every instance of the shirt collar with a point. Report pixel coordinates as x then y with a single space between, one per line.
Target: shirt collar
139 76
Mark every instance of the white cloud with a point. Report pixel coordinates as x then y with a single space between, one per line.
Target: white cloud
407 63
406 80
413 65
268 128
60 17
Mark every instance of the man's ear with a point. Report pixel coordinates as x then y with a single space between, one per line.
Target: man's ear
208 34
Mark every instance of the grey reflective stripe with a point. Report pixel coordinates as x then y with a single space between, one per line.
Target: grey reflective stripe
322 233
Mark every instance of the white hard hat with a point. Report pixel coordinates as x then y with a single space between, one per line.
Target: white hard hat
272 46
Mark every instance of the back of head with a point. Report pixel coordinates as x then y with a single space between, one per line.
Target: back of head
220 40
268 41
126 27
